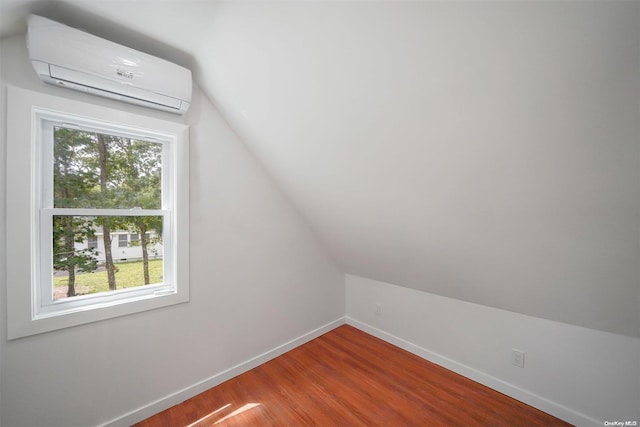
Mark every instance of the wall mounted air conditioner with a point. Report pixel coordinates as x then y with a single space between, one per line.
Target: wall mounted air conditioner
67 57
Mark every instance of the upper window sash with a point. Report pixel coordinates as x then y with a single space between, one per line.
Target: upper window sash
46 121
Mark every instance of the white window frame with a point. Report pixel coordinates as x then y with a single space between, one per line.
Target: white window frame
31 309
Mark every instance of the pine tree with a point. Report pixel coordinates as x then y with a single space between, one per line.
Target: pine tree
72 183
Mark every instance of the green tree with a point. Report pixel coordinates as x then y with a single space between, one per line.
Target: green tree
67 231
104 166
130 173
142 186
72 183
105 171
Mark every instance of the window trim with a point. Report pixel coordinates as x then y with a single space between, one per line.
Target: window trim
24 170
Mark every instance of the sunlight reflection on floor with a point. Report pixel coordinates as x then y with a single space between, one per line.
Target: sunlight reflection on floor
210 415
238 411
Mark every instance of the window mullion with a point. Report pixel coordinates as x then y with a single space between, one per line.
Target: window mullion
107 212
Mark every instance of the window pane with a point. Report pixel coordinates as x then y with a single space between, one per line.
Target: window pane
122 241
80 269
93 170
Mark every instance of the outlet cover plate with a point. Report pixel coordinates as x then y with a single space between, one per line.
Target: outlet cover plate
517 358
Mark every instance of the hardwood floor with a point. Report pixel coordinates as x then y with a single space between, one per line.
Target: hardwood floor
349 378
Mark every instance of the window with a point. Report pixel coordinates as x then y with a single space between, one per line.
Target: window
122 239
92 242
134 239
96 173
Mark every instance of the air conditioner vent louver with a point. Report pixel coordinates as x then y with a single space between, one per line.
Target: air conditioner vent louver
71 58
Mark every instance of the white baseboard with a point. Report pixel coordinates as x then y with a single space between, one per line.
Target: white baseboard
173 399
492 382
518 393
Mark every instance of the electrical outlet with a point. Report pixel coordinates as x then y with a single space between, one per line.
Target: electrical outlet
378 310
517 358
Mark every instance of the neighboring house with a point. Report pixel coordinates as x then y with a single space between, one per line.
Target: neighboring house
125 246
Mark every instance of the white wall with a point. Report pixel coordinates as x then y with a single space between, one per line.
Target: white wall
258 280
582 375
487 151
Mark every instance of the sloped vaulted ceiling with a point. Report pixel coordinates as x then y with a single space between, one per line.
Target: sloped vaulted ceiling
485 151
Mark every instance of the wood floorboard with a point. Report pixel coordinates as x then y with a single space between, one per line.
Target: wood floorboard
349 378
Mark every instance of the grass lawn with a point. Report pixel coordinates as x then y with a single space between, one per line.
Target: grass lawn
128 274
